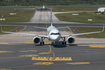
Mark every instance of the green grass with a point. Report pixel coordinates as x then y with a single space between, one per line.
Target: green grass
74 9
92 29
20 16
82 17
7 28
17 6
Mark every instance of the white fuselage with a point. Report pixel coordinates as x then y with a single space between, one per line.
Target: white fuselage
43 7
53 33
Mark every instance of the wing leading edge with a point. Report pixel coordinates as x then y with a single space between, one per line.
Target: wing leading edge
83 33
24 33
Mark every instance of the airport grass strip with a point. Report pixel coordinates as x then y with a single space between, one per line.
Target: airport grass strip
19 16
74 9
82 17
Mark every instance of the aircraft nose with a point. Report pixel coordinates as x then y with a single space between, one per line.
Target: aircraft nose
54 38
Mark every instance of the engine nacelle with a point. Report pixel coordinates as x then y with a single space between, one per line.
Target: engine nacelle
36 39
71 40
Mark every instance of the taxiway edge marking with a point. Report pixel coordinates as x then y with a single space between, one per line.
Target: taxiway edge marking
71 31
23 29
78 63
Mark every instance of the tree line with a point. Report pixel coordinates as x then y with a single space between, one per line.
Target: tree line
49 2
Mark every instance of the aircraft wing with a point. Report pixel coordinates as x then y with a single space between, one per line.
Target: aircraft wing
29 34
26 34
83 33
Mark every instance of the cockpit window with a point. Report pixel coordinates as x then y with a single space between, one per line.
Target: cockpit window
55 34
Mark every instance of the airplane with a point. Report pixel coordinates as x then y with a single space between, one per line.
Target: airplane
53 34
42 8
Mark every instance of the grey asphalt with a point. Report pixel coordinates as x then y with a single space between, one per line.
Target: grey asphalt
14 60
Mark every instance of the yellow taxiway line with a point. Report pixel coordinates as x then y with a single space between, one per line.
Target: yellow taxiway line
23 29
28 42
3 40
103 46
18 51
5 69
29 51
28 55
71 31
52 58
6 51
43 63
78 63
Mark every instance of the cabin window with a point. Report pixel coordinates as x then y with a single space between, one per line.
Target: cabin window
55 34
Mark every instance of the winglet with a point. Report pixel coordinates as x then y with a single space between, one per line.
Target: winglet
1 29
51 18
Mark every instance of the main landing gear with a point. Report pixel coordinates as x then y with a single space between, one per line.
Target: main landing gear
42 42
64 41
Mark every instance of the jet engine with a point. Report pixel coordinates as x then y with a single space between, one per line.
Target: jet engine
71 40
36 40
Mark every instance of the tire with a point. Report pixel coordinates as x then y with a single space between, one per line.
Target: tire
64 43
41 43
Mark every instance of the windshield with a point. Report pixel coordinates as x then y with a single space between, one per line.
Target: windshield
55 34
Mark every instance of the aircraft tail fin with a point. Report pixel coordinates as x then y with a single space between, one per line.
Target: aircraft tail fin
51 18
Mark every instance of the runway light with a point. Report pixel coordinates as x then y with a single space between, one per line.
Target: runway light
73 30
3 19
16 30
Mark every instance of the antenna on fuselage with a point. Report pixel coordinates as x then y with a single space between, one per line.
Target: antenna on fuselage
51 18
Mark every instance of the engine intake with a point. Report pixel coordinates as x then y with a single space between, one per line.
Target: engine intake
36 39
71 40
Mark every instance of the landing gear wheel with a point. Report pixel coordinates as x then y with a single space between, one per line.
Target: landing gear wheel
41 43
64 43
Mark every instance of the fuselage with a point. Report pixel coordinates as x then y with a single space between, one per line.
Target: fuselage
43 7
53 33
